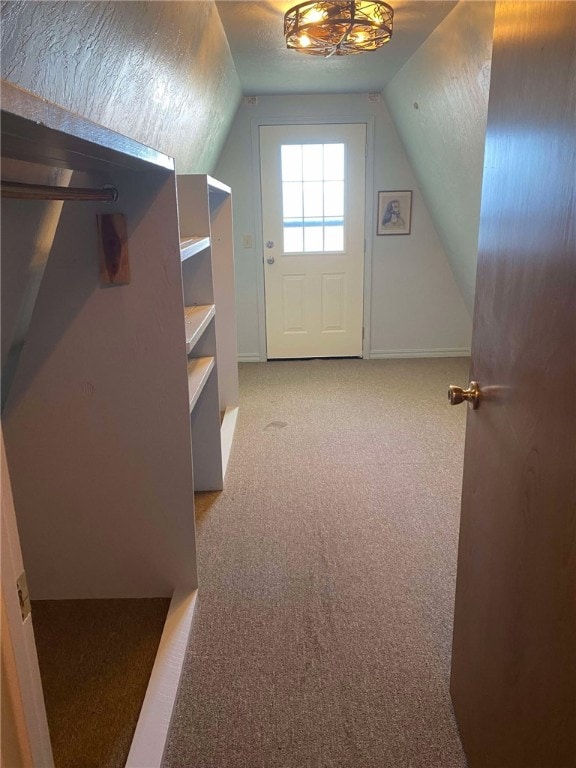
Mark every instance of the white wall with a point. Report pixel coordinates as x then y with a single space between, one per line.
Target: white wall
159 72
414 306
439 103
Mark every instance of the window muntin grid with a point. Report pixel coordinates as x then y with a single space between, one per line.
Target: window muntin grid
313 177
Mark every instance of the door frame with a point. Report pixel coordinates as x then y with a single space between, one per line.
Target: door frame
25 708
368 217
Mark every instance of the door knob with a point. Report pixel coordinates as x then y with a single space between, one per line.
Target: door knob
270 259
457 395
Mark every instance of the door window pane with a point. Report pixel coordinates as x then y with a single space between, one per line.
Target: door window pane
292 199
334 236
334 198
334 161
313 197
313 162
293 236
313 236
291 162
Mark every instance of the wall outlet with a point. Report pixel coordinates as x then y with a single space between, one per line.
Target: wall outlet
374 97
251 100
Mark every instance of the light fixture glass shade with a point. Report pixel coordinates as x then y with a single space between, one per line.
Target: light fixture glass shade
338 27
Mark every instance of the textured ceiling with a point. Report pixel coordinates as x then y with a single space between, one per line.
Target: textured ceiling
264 64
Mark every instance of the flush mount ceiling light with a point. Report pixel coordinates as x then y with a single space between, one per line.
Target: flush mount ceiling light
338 27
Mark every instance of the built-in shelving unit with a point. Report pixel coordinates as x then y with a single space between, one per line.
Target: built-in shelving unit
196 320
191 245
114 388
199 369
205 209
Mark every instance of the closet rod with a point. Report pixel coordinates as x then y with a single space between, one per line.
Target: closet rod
21 191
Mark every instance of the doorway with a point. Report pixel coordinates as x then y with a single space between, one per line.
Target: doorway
313 189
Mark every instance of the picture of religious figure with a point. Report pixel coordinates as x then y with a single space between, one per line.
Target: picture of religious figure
392 218
394 212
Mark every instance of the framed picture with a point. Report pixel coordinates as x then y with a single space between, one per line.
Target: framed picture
394 212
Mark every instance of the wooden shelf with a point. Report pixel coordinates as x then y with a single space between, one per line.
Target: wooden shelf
198 371
37 131
189 246
197 319
214 184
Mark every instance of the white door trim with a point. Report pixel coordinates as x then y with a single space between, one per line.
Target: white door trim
21 666
368 216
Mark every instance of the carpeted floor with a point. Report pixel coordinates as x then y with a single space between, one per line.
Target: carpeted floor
327 566
94 678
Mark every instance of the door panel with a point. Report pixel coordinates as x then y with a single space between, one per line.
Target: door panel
294 303
513 677
334 303
313 188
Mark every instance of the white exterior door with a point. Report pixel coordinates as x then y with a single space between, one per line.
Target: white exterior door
313 188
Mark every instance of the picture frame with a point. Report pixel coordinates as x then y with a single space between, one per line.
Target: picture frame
394 212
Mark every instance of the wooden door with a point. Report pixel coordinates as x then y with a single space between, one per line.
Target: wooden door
513 668
312 179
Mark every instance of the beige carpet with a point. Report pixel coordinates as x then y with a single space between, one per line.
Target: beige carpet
95 660
323 629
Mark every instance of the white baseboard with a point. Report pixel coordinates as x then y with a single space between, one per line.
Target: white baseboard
149 740
385 354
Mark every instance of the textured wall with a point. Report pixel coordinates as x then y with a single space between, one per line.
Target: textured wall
159 72
415 304
439 103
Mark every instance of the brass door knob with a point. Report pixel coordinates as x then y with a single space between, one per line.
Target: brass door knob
457 395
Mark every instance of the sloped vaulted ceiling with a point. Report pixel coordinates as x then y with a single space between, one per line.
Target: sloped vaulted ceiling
439 103
264 65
